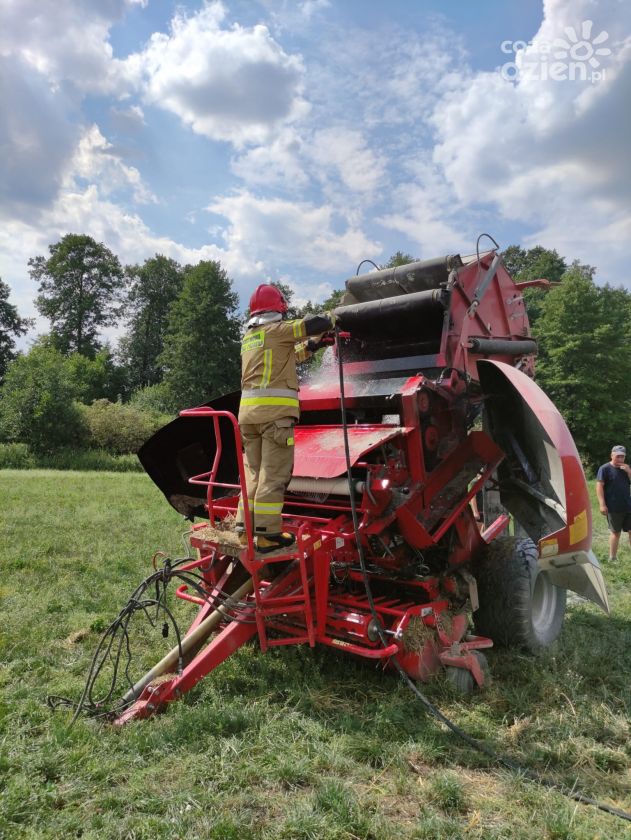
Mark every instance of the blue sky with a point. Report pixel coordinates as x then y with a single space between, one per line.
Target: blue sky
291 140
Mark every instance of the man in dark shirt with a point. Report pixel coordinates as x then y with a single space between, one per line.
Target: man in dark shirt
613 485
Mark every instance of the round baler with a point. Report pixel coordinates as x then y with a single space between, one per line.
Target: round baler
436 405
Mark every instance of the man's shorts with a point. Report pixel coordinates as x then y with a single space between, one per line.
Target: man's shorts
619 522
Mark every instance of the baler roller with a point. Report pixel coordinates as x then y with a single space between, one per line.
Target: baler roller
503 347
401 317
402 279
325 486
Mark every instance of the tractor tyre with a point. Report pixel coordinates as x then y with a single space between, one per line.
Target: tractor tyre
519 606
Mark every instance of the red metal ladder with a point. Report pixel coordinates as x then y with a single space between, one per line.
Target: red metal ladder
269 605
290 596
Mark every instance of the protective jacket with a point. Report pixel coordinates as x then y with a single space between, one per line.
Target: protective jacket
269 353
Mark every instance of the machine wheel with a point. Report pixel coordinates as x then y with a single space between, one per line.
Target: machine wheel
462 680
519 607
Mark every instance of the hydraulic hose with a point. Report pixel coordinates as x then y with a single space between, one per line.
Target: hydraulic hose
189 643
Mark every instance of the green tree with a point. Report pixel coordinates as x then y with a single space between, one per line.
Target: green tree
153 286
98 378
11 326
201 353
585 366
154 399
80 289
533 264
288 294
37 402
400 258
333 300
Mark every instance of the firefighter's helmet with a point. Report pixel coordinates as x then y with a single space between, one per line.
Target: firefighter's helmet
267 298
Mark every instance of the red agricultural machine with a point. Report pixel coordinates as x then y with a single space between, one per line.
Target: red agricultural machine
426 401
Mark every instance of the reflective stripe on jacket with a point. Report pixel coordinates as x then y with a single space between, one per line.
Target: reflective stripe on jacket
269 382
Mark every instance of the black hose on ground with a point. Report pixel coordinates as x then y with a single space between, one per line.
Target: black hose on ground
114 644
480 746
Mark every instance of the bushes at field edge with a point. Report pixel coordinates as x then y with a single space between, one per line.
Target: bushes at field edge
17 456
119 428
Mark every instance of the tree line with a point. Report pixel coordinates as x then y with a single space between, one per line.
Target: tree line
181 335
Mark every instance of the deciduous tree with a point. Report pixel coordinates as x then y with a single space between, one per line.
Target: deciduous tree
400 258
37 401
153 286
533 264
98 378
11 326
201 353
585 366
80 289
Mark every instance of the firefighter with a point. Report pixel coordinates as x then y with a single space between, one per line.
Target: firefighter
269 408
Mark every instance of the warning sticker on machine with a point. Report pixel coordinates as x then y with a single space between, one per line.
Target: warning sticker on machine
578 528
549 547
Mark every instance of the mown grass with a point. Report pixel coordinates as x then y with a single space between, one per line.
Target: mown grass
296 743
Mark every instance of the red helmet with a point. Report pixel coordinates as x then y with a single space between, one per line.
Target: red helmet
267 298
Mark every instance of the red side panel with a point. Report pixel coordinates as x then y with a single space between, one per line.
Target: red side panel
320 449
546 442
542 482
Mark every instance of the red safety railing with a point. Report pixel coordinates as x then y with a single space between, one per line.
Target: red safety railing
210 478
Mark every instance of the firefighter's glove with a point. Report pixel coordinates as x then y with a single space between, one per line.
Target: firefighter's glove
313 345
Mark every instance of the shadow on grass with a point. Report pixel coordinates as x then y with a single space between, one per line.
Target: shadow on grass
563 712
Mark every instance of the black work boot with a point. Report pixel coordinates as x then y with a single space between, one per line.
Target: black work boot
273 542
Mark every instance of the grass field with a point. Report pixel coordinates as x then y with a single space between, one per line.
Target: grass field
296 743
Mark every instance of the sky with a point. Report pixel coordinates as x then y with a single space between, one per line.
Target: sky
292 139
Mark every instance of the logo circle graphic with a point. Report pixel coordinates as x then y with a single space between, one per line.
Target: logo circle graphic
582 51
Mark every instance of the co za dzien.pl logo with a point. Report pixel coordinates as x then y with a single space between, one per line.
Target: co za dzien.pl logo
563 59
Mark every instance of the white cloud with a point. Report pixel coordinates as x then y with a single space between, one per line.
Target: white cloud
294 15
87 211
64 43
279 163
346 152
338 158
312 292
550 153
124 233
51 54
129 120
309 8
428 214
385 78
278 233
365 126
234 84
96 162
37 139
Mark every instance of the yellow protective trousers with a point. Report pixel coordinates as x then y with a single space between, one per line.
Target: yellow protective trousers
269 461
